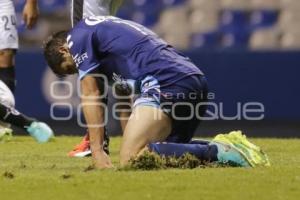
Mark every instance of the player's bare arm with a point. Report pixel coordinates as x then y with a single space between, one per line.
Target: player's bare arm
94 115
30 13
78 11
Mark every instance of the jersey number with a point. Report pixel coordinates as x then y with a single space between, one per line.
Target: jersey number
92 21
8 20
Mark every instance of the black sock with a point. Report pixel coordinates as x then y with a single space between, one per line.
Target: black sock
12 116
7 75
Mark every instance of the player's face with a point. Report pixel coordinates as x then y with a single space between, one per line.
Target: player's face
68 66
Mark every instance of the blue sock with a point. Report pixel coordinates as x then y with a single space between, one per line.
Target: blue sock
203 142
203 152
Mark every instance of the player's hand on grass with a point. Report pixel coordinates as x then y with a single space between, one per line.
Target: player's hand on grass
30 13
101 160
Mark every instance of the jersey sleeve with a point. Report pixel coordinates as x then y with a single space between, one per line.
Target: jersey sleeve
81 44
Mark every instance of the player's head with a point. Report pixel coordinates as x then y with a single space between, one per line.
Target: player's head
58 56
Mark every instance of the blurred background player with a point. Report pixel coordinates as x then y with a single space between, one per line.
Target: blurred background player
85 8
81 9
9 36
10 116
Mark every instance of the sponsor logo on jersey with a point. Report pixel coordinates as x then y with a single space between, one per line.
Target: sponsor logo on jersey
80 58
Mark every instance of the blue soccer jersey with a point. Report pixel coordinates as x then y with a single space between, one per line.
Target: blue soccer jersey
110 45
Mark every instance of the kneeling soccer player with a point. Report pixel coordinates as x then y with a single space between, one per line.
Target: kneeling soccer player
8 114
170 88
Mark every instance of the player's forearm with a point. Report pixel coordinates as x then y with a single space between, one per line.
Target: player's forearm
93 112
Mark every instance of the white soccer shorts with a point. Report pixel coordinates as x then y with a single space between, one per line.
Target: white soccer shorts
8 26
6 96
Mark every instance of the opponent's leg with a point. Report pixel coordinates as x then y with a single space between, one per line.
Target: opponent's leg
9 44
39 130
7 71
146 125
11 116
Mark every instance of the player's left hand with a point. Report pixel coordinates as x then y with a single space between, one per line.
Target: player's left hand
30 14
101 160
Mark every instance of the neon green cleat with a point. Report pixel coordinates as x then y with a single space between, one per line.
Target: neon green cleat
230 156
252 153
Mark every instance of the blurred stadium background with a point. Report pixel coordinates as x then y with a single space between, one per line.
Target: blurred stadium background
249 50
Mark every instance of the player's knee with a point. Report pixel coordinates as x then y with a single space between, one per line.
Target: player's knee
7 57
128 153
124 158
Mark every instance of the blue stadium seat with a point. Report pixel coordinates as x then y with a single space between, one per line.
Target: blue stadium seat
145 12
145 18
263 18
147 5
238 39
234 20
125 14
169 3
205 40
126 10
234 25
52 5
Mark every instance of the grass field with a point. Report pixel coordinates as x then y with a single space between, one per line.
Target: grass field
33 171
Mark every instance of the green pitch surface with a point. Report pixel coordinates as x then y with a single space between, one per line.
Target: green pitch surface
32 171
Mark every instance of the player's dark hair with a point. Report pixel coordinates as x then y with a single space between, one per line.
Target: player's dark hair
51 50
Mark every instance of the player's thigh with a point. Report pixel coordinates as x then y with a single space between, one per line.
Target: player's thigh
146 125
123 108
7 58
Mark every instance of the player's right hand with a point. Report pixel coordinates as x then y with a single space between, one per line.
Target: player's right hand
30 13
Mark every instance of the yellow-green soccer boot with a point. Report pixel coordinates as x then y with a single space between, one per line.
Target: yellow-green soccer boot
235 149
